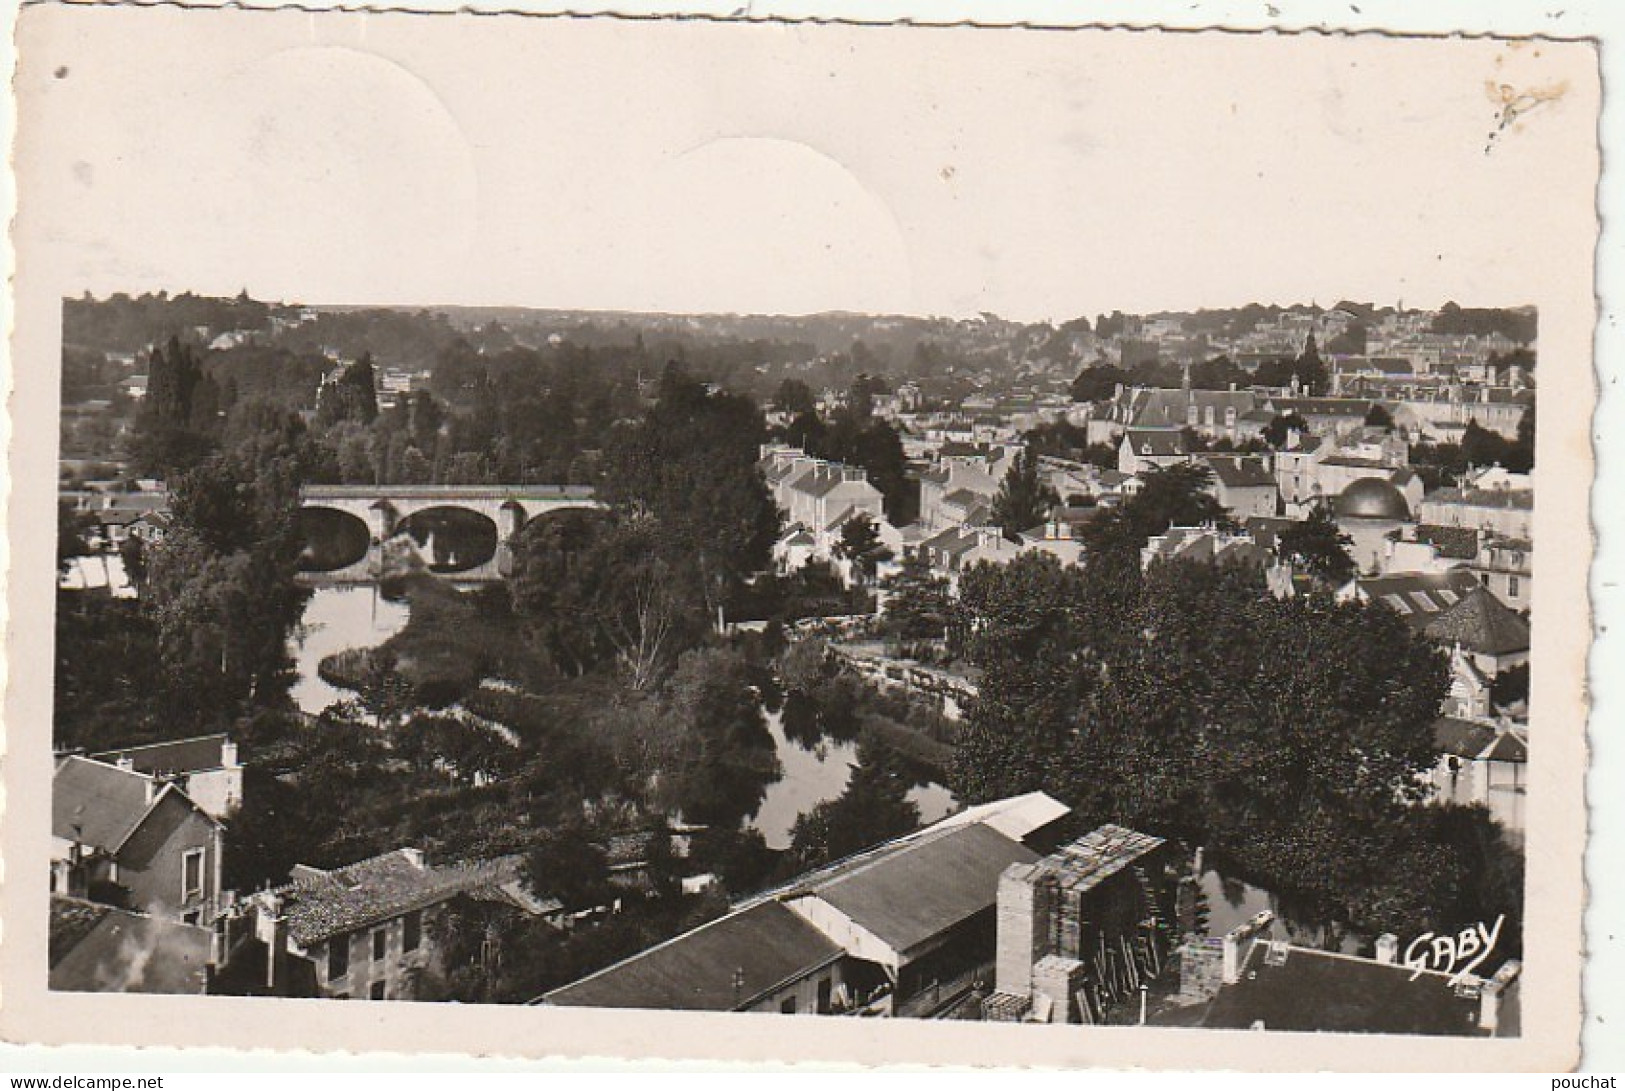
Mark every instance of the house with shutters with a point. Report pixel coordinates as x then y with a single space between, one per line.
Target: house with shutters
1244 485
127 838
1151 448
363 931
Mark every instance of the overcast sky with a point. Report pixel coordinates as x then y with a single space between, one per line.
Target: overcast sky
697 167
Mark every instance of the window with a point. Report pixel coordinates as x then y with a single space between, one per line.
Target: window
380 941
191 874
789 1006
189 918
412 930
1512 587
338 957
824 989
377 990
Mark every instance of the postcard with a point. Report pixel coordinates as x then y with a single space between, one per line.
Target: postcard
769 540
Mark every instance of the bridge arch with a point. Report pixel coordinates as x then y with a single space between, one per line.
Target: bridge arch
388 509
333 538
451 538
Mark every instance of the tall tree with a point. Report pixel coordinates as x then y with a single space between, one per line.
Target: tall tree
1023 499
917 604
169 435
1320 547
860 545
794 397
690 466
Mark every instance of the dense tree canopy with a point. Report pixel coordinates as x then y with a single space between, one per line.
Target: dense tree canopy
1287 733
689 466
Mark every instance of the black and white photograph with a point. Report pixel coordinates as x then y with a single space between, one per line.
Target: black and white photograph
862 526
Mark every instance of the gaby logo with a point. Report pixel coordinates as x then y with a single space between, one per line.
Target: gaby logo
1457 955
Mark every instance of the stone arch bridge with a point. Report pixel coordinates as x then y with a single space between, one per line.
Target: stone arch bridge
391 513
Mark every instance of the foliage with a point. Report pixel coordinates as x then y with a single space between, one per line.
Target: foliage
1319 547
566 864
174 430
917 602
794 397
73 534
690 466
860 544
1288 732
593 589
1023 499
1481 447
1516 323
1275 432
1098 383
1378 416
353 396
874 807
103 691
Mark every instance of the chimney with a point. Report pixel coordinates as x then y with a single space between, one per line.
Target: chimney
274 931
228 754
1233 940
154 786
1387 948
125 763
415 856
1489 997
1023 929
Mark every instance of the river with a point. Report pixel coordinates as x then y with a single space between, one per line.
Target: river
359 616
1232 903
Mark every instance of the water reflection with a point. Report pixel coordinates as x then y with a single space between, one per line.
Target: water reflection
813 765
337 619
817 768
1230 903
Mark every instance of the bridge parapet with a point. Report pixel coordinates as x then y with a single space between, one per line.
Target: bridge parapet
509 507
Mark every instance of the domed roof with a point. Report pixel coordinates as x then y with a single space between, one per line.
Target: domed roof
1373 498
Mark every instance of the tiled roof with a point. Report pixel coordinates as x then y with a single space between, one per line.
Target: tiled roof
1323 407
1241 472
1461 738
1266 528
96 804
125 952
1095 857
925 888
1460 543
1321 991
1165 408
1484 498
1481 623
71 921
179 756
1509 747
1156 442
818 481
719 966
319 904
1420 596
